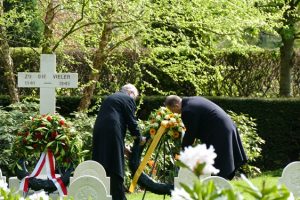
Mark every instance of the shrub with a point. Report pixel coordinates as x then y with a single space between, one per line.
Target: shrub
251 141
11 119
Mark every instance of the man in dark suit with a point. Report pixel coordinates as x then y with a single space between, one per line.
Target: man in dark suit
117 113
208 122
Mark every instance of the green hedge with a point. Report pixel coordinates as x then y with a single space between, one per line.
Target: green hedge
278 122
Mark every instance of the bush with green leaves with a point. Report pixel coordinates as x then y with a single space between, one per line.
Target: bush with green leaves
251 141
12 118
84 124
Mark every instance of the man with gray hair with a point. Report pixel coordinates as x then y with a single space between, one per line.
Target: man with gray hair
130 90
116 114
208 122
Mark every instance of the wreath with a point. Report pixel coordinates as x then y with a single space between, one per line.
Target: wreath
173 135
47 133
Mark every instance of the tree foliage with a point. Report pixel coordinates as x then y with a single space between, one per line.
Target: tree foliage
183 33
289 11
22 24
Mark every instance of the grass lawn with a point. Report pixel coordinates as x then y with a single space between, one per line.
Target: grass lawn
270 178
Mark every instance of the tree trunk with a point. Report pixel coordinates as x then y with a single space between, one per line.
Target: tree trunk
48 29
287 53
98 62
286 64
7 62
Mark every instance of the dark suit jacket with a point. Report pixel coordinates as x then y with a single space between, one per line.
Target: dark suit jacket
116 114
211 124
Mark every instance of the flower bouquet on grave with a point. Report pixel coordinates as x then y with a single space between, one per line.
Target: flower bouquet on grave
46 138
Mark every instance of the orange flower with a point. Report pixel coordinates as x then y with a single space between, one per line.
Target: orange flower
177 156
151 163
176 134
152 131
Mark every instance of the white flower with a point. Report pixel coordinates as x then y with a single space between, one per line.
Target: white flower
180 129
180 194
167 117
158 117
3 185
193 156
39 195
155 125
172 119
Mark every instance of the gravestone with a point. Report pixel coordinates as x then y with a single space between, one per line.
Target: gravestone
92 168
187 177
220 183
291 178
47 80
2 177
88 187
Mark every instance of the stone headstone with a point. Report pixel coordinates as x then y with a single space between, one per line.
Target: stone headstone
88 187
92 168
220 183
291 178
2 177
187 177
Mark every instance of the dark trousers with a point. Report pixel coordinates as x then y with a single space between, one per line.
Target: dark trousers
116 187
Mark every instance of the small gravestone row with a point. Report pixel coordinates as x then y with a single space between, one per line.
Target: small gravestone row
90 181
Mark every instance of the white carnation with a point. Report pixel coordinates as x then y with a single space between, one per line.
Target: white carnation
39 195
192 156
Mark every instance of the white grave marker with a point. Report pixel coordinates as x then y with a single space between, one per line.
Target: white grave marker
92 168
187 177
291 178
47 80
88 188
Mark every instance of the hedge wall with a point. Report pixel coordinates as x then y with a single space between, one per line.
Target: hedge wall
278 122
